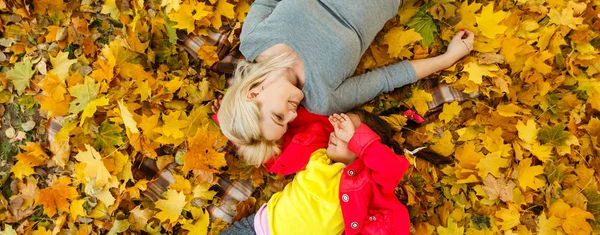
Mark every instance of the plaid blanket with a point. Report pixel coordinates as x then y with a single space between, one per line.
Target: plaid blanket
231 192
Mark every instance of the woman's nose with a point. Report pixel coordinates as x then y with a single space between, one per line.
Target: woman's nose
292 116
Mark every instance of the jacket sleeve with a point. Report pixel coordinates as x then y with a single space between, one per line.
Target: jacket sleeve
296 154
386 167
259 11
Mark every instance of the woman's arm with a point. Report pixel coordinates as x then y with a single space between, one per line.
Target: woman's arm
259 11
357 90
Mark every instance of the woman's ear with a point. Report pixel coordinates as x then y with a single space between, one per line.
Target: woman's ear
252 94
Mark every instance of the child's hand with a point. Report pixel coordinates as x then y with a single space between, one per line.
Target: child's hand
343 126
216 104
461 44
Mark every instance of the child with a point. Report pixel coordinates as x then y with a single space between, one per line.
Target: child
347 187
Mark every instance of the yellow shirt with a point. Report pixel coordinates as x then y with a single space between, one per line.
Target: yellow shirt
309 204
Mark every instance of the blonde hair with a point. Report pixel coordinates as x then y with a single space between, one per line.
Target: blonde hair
239 118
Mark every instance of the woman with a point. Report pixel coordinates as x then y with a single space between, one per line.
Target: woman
304 52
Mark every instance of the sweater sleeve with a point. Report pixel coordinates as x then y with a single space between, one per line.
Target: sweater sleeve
387 168
357 90
259 11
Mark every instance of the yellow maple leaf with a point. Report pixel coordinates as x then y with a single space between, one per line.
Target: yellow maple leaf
477 71
143 89
184 18
148 124
241 9
174 84
172 125
94 167
467 133
128 118
491 164
110 7
84 94
489 22
537 62
576 221
171 207
510 217
451 229
55 198
508 110
419 99
444 145
76 209
467 156
181 185
55 107
91 108
21 169
397 39
223 9
54 86
527 133
450 111
171 5
527 175
208 54
564 17
51 36
510 47
467 14
493 141
35 149
542 152
202 154
61 65
202 221
546 226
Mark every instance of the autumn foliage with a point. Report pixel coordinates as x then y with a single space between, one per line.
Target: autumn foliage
112 75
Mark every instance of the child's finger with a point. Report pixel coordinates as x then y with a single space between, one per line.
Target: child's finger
345 117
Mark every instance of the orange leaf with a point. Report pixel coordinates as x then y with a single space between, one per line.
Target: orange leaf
202 154
55 198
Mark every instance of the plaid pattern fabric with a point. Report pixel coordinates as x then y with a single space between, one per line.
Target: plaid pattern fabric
229 55
443 93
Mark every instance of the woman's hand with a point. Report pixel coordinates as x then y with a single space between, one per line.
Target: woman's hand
343 127
461 44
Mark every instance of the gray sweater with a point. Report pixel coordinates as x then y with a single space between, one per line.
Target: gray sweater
330 37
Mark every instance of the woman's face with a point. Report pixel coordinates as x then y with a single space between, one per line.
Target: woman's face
278 100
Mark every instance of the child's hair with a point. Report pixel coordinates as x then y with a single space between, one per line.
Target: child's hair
239 118
386 133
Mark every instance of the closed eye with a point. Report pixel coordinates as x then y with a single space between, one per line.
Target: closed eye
277 119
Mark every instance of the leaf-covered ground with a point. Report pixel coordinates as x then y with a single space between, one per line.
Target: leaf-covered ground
111 73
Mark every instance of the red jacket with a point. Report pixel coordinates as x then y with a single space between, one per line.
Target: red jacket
367 186
369 205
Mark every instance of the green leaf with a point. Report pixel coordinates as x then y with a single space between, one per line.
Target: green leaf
84 93
555 136
593 205
20 75
119 226
171 31
423 23
109 136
